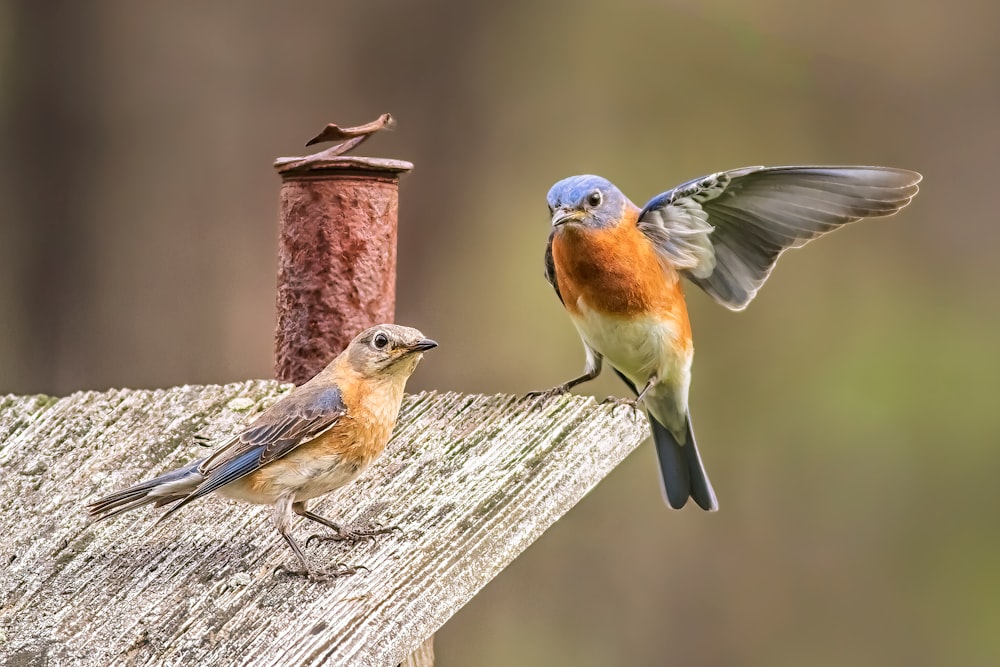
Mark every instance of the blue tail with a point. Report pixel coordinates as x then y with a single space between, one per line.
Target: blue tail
681 470
682 474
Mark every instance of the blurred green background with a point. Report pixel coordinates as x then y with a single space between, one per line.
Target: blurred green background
847 418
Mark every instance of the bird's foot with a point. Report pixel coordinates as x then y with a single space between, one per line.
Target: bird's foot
339 570
546 394
618 402
353 534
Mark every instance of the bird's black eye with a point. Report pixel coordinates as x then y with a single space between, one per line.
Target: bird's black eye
380 341
595 198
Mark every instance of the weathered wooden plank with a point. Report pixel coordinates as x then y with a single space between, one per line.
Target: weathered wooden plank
471 480
423 656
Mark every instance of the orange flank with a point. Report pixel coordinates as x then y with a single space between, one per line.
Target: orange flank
616 271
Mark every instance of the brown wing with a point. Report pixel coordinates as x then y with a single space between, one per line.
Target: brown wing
303 415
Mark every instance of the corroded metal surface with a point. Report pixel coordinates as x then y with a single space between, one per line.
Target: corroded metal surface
337 250
336 267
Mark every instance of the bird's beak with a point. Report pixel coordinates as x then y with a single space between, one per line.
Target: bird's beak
563 215
422 345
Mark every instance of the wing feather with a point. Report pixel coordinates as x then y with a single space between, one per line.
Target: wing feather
725 231
305 414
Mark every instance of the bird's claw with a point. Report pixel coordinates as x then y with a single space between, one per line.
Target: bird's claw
545 394
617 402
339 570
350 534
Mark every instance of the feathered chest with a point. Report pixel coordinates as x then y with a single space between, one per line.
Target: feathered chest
613 270
373 415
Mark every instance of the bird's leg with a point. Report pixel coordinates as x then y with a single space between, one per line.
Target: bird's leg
632 402
653 379
563 388
340 570
591 371
342 533
282 519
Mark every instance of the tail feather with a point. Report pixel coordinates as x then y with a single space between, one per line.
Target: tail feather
681 470
160 491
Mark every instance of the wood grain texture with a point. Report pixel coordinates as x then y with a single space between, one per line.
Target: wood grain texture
471 480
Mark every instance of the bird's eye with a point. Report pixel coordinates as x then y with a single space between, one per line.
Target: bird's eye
595 198
380 341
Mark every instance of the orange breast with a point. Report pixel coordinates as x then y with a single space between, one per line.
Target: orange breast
616 271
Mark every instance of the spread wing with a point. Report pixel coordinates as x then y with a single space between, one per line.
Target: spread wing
725 231
303 415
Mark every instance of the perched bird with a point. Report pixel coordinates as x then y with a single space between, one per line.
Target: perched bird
617 269
319 437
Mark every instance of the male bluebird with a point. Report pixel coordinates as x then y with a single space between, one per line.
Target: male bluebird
319 437
617 268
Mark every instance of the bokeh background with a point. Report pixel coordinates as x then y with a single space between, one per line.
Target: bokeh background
848 418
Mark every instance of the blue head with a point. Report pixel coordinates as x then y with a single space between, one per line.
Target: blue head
587 200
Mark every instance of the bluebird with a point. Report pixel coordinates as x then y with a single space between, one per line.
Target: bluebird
318 438
617 270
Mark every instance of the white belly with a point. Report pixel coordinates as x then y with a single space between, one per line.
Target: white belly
639 348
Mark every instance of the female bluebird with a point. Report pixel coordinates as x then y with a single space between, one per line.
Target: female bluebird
319 437
617 269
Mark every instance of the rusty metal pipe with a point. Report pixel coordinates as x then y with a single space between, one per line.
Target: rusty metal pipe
336 255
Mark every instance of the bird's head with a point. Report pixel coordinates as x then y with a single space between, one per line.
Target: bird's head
387 349
590 201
